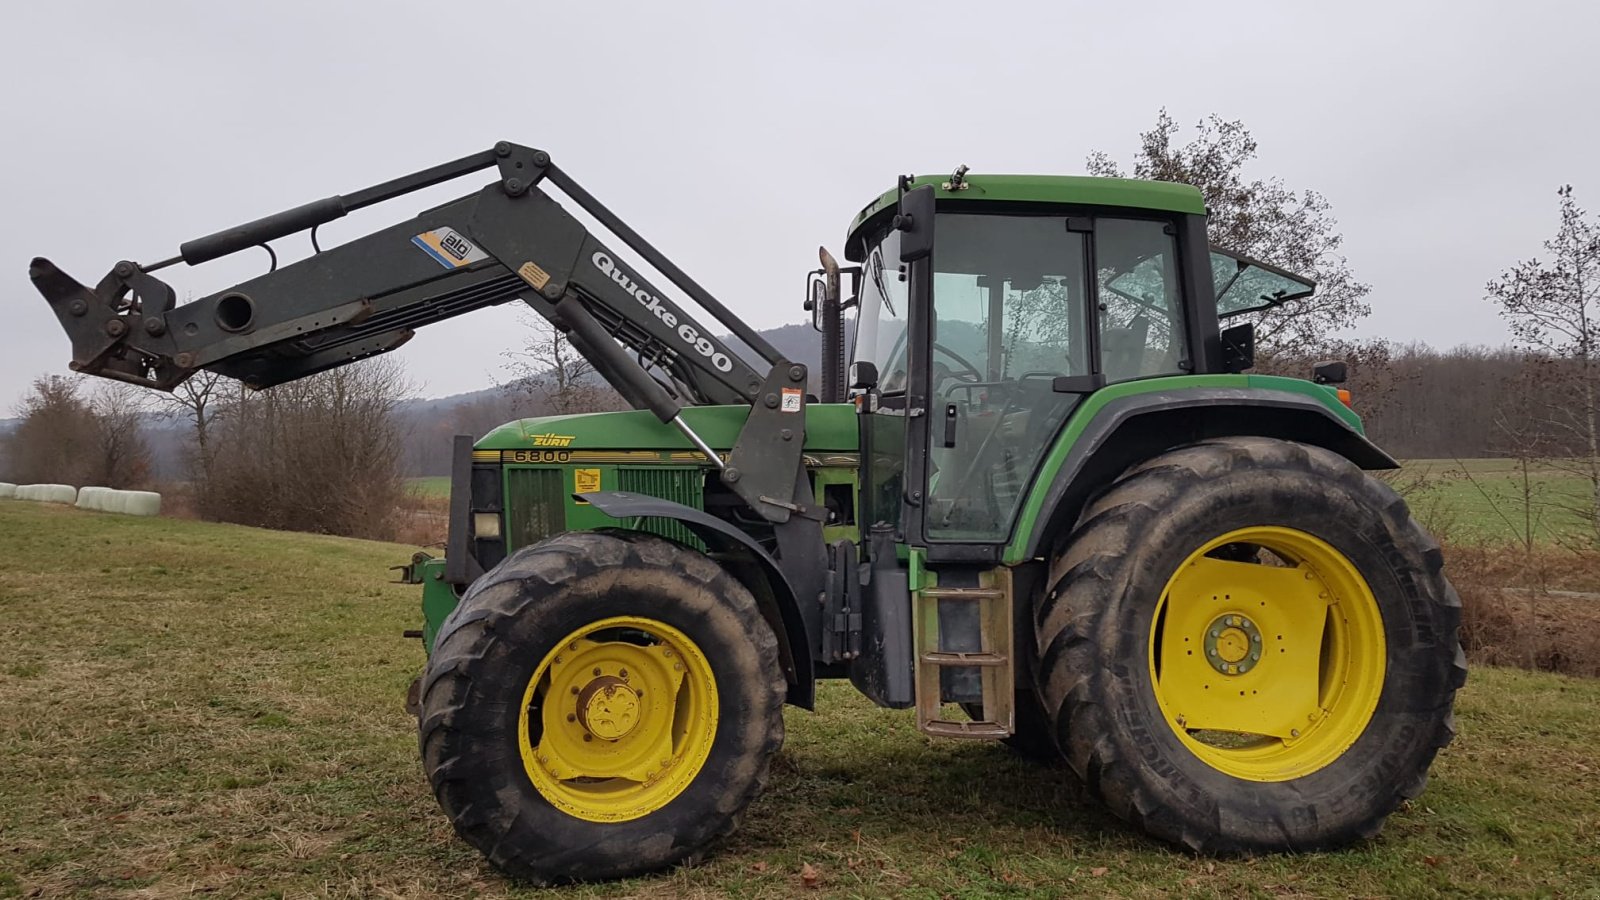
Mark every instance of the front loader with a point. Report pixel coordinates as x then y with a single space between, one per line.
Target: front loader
1044 503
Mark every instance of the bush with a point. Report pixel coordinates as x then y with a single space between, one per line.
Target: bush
323 454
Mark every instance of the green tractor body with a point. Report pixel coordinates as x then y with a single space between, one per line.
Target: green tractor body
1044 504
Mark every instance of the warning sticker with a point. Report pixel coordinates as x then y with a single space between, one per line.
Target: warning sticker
791 400
585 481
534 275
449 248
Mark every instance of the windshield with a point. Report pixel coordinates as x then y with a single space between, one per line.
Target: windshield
1246 285
881 326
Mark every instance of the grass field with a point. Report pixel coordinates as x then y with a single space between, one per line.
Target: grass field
196 707
1483 500
431 486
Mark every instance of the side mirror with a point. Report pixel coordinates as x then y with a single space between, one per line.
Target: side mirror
822 285
816 297
863 375
1239 348
914 221
1332 371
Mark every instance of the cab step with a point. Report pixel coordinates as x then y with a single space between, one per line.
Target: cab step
992 658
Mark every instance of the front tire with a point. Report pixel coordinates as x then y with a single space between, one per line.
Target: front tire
600 705
1249 646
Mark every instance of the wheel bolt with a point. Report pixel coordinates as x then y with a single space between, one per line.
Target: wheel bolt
677 667
1295 732
623 674
572 717
574 689
597 670
573 646
588 737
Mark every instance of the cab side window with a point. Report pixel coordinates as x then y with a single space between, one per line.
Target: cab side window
1141 315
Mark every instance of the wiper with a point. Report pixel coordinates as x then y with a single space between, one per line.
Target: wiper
876 267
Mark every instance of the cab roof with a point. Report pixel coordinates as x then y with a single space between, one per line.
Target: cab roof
1164 196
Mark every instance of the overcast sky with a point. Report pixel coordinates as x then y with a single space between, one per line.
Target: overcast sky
738 137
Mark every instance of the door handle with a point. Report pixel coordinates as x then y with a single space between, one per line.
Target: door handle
951 413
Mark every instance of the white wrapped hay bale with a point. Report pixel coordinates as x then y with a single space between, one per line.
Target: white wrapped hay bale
140 503
92 497
48 493
8 491
132 503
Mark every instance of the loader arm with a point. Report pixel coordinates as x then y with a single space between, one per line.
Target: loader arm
508 241
505 242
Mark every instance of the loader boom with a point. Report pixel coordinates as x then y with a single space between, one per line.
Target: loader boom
509 240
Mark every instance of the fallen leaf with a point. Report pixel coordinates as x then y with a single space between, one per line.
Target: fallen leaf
1098 871
758 867
809 876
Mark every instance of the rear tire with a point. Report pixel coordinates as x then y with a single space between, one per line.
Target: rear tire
1109 631
528 781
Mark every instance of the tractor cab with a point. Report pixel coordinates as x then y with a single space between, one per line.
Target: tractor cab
991 307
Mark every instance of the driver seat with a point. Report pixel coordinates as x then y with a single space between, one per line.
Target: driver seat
1122 349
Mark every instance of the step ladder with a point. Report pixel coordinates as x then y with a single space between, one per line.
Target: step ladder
992 659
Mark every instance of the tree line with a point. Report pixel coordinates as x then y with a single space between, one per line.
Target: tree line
330 453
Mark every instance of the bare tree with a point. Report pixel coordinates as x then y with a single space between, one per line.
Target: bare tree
1259 217
55 439
554 375
123 458
1553 308
200 401
67 437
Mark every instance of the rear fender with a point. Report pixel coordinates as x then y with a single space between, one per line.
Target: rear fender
1134 428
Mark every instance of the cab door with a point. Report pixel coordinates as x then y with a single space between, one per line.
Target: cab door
1024 317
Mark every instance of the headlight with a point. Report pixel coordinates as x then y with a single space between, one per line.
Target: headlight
486 525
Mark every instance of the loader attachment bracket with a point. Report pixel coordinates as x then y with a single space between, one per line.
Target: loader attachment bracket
98 321
764 459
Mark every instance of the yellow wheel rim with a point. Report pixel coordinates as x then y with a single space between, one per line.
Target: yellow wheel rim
618 719
1267 653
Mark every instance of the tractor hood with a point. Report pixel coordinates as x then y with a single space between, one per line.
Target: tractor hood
830 427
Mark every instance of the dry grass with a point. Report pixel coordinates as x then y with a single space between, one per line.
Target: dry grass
188 707
1538 610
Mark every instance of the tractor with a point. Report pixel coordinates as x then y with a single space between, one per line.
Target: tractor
1035 496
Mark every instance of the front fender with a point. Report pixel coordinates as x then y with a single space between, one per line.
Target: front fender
763 576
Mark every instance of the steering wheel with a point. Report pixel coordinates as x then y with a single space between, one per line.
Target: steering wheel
971 370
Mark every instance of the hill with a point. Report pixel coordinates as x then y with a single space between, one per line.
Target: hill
190 707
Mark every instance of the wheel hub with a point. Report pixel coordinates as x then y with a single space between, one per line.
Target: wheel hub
1232 644
608 708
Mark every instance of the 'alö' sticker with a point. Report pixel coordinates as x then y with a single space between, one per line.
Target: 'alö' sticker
449 247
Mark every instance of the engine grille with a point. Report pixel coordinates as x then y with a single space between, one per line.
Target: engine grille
684 485
537 500
536 504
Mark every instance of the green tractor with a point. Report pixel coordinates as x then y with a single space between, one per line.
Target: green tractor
1043 504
